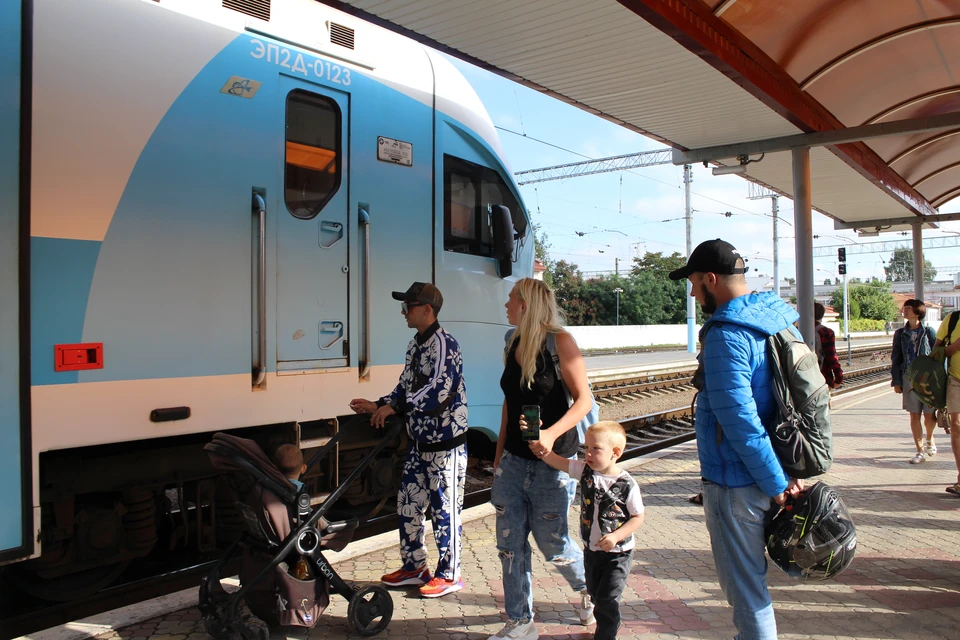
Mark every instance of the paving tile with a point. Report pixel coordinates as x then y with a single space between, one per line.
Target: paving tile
903 583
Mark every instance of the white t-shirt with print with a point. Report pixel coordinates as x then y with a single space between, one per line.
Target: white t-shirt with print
603 483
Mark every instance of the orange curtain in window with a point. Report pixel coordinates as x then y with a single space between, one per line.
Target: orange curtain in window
302 155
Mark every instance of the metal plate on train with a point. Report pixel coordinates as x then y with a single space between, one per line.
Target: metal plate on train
394 151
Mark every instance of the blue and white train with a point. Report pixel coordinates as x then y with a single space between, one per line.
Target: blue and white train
205 206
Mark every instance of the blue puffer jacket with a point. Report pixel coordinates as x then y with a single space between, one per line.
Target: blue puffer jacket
738 394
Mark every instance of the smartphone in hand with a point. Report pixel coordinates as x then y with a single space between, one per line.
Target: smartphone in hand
531 415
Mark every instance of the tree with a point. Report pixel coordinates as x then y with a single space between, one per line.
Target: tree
872 300
900 267
541 244
658 264
568 289
663 301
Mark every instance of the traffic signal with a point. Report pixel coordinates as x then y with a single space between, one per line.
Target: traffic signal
842 268
842 254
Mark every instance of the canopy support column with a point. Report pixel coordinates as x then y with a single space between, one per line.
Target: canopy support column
691 309
917 261
803 225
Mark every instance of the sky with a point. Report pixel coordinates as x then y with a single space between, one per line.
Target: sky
626 213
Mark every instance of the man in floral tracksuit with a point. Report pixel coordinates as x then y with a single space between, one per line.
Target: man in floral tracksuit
432 396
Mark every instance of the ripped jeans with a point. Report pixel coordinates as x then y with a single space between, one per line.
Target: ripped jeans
531 497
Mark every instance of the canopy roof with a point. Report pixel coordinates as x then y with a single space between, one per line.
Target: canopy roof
700 73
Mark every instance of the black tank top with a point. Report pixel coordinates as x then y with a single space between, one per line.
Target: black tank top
545 391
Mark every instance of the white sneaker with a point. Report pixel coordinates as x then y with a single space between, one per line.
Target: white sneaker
586 609
917 459
517 630
931 448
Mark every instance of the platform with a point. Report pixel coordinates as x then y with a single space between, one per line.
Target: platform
904 583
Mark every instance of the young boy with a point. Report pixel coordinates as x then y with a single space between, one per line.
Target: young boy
289 460
611 509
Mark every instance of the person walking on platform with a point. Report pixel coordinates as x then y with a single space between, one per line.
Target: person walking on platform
829 363
912 340
743 481
528 495
951 325
432 396
611 509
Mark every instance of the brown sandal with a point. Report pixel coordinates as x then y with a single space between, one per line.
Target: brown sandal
698 499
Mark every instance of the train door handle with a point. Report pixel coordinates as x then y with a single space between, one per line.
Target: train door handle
330 228
365 358
328 327
260 361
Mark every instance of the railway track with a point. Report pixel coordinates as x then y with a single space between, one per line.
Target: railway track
664 429
679 380
645 434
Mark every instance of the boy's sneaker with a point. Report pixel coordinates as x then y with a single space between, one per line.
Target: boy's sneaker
917 459
401 578
440 587
931 448
517 630
586 609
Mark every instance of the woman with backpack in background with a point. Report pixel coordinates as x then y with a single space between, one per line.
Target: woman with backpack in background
528 495
912 340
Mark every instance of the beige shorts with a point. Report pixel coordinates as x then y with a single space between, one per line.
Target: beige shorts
953 395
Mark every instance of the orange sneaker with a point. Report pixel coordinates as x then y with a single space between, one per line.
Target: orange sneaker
440 587
401 578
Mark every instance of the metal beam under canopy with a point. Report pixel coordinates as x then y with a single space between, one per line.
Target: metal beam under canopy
819 139
881 223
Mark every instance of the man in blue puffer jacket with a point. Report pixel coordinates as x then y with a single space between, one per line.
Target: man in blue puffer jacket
743 480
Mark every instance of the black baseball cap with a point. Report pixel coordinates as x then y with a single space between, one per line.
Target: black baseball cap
712 256
422 292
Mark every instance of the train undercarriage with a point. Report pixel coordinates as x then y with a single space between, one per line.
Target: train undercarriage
106 509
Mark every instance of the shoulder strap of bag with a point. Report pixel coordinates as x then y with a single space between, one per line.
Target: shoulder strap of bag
555 356
775 354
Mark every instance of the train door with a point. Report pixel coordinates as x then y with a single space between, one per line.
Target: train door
313 275
14 481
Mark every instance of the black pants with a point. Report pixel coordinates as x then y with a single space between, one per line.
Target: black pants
606 575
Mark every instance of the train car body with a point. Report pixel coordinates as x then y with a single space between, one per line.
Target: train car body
208 203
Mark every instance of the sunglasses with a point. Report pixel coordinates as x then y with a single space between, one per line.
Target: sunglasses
406 306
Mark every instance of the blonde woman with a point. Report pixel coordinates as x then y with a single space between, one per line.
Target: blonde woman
529 495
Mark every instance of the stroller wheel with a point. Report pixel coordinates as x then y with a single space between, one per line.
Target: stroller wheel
255 629
215 628
370 610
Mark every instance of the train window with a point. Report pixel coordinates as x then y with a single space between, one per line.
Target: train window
469 189
312 167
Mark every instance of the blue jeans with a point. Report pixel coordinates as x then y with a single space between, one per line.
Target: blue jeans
531 497
736 518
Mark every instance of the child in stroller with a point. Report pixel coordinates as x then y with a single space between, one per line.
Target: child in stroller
284 577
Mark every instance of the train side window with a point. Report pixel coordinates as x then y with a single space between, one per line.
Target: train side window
469 189
313 152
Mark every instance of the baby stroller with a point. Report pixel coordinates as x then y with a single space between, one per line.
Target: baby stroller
281 531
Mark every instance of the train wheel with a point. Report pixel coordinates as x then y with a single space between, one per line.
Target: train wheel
370 610
68 587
